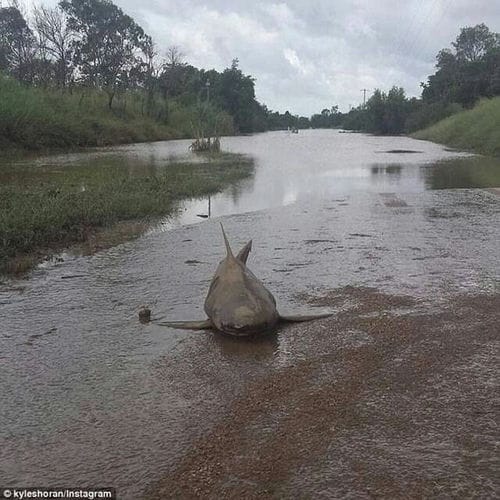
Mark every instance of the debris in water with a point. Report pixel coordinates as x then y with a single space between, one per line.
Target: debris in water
145 314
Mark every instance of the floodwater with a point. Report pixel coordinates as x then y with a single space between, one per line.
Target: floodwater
90 396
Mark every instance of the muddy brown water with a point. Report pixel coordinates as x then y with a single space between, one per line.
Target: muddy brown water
90 396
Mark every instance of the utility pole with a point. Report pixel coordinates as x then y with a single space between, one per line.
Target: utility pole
364 96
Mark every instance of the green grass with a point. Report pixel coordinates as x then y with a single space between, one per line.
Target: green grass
34 118
55 206
475 130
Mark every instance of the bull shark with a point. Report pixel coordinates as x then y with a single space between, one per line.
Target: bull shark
237 302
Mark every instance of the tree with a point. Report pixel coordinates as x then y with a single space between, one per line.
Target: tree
442 86
384 113
237 96
17 44
172 78
375 112
396 107
492 62
55 38
109 44
474 42
468 72
328 118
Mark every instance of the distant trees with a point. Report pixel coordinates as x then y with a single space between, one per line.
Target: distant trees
397 108
283 121
328 118
384 113
474 43
55 39
91 41
109 45
93 44
463 74
17 45
172 79
469 71
236 94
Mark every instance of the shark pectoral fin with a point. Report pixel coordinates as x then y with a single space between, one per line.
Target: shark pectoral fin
243 253
189 325
303 317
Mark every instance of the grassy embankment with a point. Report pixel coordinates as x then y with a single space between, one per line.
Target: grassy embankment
475 130
51 207
34 118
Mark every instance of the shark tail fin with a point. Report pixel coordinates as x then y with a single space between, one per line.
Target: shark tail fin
303 317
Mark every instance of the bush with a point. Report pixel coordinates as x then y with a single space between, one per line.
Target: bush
427 114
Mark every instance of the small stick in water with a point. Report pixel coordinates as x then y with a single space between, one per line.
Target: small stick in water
144 314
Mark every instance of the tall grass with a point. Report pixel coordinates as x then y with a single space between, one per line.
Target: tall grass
476 130
36 118
40 118
54 208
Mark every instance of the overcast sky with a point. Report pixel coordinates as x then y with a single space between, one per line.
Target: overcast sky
310 54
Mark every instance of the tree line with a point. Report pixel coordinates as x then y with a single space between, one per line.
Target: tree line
93 44
465 73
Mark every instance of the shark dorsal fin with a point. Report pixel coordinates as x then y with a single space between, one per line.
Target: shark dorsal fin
226 242
243 253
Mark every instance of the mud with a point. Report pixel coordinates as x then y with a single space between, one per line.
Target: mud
388 403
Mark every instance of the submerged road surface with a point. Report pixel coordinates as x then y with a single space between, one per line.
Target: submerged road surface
394 396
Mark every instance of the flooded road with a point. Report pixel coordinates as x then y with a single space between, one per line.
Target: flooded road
399 245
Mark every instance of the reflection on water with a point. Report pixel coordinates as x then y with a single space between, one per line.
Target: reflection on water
471 172
323 164
259 348
392 170
91 167
289 168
